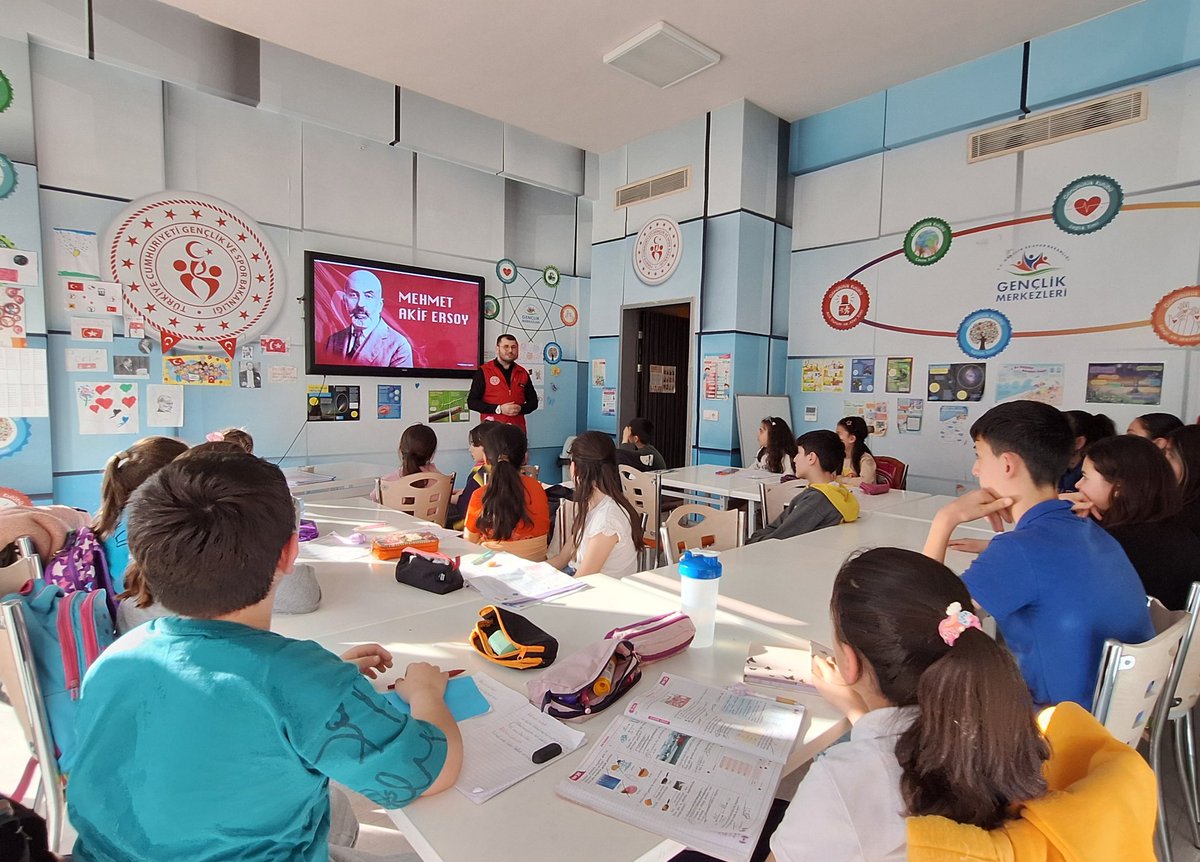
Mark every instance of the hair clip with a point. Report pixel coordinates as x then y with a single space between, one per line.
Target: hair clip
215 437
956 622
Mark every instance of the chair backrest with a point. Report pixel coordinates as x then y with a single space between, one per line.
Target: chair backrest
13 577
422 495
691 526
774 496
1187 683
1133 676
894 470
533 471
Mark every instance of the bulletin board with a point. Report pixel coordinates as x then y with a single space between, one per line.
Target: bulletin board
751 410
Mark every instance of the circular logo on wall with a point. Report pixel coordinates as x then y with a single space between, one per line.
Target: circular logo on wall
1176 317
657 250
491 307
12 315
927 241
14 434
193 267
551 276
984 333
12 498
8 177
569 315
552 352
1088 204
845 304
506 270
6 92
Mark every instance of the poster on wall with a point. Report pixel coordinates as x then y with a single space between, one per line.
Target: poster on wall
717 372
1031 382
608 402
94 297
1124 383
876 415
599 373
333 403
448 405
12 317
823 375
164 405
89 329
107 408
662 379
131 366
862 375
23 383
198 369
249 374
388 401
86 359
909 414
76 254
899 374
954 426
956 382
282 374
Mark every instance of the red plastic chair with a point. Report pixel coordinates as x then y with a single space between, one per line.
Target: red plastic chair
892 469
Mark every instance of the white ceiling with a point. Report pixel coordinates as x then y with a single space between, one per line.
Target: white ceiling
537 63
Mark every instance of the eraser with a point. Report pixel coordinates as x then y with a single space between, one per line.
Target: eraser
547 752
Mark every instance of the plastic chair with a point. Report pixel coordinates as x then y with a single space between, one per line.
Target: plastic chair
1131 684
692 526
775 497
533 471
892 469
422 495
19 676
645 493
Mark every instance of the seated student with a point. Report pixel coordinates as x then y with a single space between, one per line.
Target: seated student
637 438
607 533
1183 454
1155 427
239 437
1129 488
777 447
1086 428
475 478
209 737
418 445
858 465
942 721
825 502
511 513
1057 585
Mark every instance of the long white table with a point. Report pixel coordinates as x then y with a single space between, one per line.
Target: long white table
335 480
529 820
925 509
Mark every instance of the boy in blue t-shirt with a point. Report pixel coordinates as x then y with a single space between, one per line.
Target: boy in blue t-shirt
1057 584
206 736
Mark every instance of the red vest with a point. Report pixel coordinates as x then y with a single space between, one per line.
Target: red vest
497 391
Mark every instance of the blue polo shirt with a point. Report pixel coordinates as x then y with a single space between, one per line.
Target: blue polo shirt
1058 585
207 740
116 554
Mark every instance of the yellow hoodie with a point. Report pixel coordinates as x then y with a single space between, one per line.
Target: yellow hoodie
1101 806
841 497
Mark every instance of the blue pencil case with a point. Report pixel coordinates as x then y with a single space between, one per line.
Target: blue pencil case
462 696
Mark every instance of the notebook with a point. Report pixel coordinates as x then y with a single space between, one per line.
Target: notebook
788 667
462 696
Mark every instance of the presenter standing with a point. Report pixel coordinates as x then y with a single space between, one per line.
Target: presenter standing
501 390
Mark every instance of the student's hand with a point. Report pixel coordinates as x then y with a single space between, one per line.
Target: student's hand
1081 505
371 659
827 680
983 503
421 679
509 408
968 546
626 433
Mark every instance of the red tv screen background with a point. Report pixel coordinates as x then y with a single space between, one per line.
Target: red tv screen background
439 316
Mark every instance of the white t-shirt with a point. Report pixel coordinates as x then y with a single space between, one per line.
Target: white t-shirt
849 806
760 463
609 519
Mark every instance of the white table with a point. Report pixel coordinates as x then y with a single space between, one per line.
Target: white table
529 820
349 479
887 501
701 482
926 508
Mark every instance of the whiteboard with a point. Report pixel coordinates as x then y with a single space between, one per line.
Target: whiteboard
751 410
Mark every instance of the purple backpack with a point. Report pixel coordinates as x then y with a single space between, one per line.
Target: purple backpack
80 565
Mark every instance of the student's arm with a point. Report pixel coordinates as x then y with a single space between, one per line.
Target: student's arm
867 471
595 554
977 504
423 688
565 554
475 396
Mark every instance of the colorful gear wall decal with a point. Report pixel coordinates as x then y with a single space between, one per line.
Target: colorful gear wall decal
8 177
927 241
1088 204
6 92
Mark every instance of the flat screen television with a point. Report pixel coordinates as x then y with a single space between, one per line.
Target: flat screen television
368 317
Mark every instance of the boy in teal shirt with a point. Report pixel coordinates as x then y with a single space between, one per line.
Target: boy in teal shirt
206 736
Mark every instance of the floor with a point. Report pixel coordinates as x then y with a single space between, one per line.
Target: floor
379 836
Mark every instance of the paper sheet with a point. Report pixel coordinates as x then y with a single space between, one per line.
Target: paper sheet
164 405
508 580
23 388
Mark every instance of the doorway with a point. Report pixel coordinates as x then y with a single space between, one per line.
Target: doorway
655 361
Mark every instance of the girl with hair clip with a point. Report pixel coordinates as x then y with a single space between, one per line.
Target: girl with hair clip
239 437
777 452
607 532
1128 486
859 465
942 720
1183 454
512 512
418 444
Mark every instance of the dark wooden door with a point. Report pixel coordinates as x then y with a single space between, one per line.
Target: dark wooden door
664 340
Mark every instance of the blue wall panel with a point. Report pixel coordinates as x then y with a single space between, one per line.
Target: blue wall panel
608 349
838 135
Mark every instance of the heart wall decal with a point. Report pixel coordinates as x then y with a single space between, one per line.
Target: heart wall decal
1088 206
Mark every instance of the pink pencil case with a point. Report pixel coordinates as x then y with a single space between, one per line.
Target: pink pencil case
875 487
658 637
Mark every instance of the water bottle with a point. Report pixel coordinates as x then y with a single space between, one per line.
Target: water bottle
699 579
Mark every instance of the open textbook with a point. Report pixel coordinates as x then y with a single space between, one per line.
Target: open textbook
690 762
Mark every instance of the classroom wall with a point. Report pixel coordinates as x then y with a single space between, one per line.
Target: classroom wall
733 268
302 147
851 218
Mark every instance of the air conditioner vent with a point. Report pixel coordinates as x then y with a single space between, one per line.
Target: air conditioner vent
678 180
1039 129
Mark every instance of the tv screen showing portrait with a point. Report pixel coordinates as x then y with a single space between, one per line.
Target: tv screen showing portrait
391 320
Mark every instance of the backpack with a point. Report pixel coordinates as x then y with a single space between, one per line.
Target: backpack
67 633
80 564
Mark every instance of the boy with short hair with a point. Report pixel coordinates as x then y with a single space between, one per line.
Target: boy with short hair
826 502
637 438
206 736
1057 584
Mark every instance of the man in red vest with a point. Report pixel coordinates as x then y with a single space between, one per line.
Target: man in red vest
501 390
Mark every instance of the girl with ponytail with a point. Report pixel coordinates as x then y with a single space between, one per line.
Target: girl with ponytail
943 721
512 512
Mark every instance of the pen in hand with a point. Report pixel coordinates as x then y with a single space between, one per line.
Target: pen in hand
450 673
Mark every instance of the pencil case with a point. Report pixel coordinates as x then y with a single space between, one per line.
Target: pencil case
434 573
588 681
510 640
659 637
392 545
874 487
